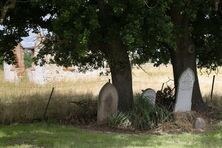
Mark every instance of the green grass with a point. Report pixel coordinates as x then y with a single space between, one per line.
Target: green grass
54 135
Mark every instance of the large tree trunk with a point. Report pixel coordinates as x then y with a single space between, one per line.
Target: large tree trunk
184 56
182 60
121 74
117 56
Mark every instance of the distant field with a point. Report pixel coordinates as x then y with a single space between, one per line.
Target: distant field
25 100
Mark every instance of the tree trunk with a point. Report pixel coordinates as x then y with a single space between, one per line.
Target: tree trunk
183 60
121 74
184 56
116 54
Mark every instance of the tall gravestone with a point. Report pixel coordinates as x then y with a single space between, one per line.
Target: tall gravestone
10 73
107 104
150 94
37 75
185 91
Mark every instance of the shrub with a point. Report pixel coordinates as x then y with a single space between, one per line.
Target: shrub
146 116
28 59
166 98
120 120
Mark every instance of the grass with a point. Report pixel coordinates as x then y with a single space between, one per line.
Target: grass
25 101
54 135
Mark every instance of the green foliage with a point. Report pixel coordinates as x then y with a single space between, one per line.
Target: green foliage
119 119
90 28
143 116
80 29
25 16
146 116
28 59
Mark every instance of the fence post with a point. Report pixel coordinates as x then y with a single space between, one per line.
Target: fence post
45 112
212 89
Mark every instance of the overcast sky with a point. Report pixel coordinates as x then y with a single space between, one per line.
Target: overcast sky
29 41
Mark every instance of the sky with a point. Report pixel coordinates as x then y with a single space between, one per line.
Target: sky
29 41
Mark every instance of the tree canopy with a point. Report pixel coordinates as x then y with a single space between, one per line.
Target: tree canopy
87 32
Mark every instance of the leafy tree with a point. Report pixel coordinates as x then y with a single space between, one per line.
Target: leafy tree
195 40
191 21
86 33
17 22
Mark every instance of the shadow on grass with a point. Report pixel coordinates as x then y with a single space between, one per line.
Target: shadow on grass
28 108
53 135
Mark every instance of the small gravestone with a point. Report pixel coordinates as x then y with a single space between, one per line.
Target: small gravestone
108 103
200 123
150 94
185 91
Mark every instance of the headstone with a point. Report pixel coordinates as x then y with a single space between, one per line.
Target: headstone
185 91
150 94
36 75
200 123
10 73
108 103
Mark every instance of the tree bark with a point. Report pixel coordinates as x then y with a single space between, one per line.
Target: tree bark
184 56
116 53
183 59
121 74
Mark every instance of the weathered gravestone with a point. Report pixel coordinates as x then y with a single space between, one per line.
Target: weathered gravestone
185 91
36 75
10 73
150 94
108 103
200 123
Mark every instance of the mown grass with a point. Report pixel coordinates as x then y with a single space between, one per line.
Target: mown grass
60 136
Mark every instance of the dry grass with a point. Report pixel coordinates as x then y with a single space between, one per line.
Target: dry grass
24 101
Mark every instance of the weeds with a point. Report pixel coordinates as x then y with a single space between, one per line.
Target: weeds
143 116
120 120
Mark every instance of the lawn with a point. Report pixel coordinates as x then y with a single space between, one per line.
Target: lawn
54 135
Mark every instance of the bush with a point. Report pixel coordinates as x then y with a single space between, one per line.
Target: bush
28 59
143 116
166 98
146 116
120 120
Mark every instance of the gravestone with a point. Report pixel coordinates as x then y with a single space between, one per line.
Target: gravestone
150 94
36 75
107 104
10 73
200 123
185 91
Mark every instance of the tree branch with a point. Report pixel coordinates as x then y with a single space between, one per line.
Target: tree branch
10 4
